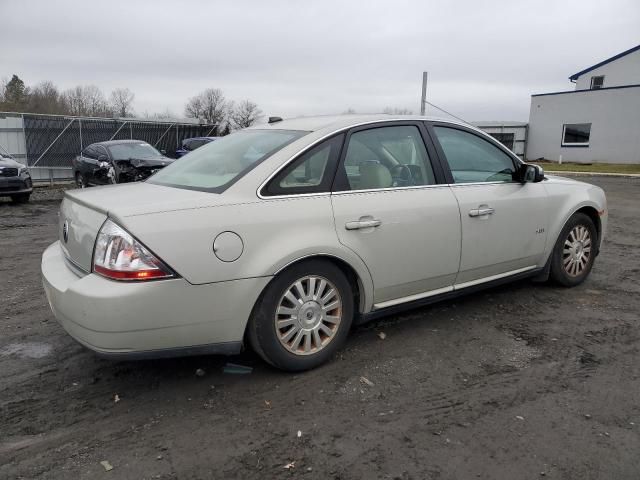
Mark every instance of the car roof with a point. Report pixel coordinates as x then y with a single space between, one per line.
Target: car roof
312 124
109 143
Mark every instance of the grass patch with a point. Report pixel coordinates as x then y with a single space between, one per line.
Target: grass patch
588 167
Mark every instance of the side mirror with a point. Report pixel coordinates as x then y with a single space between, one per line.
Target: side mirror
163 152
531 173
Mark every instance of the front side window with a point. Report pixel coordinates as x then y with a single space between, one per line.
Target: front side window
216 165
386 157
137 150
474 159
576 134
597 82
312 172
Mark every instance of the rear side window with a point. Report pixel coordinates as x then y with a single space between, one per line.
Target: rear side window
473 159
311 172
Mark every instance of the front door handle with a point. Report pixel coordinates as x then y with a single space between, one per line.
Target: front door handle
357 225
479 212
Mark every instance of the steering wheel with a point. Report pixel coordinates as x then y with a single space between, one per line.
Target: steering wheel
401 175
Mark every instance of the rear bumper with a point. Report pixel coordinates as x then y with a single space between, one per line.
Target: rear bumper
15 185
148 319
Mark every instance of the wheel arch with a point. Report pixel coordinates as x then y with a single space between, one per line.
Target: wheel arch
362 298
591 212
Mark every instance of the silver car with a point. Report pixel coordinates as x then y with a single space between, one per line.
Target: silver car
283 236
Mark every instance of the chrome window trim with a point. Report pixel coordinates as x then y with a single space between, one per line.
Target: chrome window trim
321 139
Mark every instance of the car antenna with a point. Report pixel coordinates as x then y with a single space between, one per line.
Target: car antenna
275 119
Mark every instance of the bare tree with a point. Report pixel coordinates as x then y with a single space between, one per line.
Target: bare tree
45 98
244 114
349 111
166 114
210 106
86 100
194 108
121 102
397 111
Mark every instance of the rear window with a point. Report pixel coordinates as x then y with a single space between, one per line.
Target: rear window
216 165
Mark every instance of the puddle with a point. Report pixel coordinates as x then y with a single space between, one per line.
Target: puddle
26 350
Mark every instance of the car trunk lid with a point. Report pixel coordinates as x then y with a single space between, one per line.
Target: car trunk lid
85 210
78 228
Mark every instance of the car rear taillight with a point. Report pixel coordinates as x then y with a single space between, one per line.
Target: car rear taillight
119 256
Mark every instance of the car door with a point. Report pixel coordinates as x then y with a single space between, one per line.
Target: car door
88 163
393 208
504 221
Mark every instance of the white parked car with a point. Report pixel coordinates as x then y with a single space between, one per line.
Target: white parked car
284 235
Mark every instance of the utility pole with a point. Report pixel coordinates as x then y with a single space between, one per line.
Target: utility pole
423 103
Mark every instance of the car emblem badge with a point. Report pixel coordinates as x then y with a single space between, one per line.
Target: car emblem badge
65 231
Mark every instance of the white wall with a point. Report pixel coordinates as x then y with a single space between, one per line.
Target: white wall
623 71
615 125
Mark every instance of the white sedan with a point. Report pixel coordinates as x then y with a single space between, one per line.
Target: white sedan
285 235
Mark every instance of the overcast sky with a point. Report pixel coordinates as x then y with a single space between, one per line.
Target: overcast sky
484 58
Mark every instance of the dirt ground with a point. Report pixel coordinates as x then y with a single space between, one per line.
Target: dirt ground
520 382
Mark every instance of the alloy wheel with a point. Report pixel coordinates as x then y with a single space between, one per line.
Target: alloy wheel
308 315
577 251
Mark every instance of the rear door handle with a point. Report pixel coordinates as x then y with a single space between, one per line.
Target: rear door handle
478 212
357 225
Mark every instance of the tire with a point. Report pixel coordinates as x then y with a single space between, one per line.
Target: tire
80 181
315 346
575 251
20 198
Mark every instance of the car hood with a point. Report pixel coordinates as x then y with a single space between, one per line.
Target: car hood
148 162
563 180
129 199
8 162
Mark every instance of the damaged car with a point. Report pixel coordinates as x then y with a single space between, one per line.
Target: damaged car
117 161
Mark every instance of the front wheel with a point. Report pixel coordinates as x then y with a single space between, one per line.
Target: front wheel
303 317
575 251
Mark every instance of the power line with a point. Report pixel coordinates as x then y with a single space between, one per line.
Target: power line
448 113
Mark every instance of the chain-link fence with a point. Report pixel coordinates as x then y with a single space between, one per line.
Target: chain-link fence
52 141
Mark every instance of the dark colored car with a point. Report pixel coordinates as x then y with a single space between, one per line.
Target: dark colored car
189 144
117 161
15 180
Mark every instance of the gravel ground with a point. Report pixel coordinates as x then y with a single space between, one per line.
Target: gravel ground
520 382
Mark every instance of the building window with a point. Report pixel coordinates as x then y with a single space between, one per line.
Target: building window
576 134
597 82
504 138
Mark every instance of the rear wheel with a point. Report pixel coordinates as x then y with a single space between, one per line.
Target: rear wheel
303 317
20 198
575 251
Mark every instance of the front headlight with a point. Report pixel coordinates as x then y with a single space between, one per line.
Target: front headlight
23 171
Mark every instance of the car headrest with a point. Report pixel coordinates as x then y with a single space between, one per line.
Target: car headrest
374 175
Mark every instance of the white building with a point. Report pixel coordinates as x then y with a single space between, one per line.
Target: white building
599 121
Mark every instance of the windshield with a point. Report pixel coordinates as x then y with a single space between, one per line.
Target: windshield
141 151
216 165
